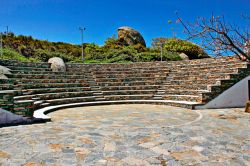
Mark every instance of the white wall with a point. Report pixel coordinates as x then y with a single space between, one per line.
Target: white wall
236 96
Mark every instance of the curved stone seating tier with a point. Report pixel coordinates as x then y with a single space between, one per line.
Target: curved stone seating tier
49 85
54 90
179 83
142 87
45 76
134 83
28 68
34 81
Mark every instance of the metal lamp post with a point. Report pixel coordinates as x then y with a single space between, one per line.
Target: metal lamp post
81 30
1 45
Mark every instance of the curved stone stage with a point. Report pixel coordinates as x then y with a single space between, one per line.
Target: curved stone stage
131 134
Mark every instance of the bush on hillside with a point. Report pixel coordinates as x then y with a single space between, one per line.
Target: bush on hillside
9 54
156 56
45 55
180 46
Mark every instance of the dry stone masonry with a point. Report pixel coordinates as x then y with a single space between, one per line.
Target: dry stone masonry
189 83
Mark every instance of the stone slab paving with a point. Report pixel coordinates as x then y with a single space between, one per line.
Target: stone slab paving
135 134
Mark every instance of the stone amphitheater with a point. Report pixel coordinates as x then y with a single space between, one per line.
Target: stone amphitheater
190 84
155 113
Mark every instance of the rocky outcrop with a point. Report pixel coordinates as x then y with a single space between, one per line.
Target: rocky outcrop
130 37
3 71
57 64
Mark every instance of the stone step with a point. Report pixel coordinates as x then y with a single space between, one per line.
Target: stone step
128 92
198 72
44 104
28 68
184 92
124 75
160 93
97 93
48 96
129 97
123 68
38 81
192 98
48 72
132 83
100 99
45 76
204 61
187 87
202 77
206 64
129 79
24 107
157 98
141 87
54 90
131 72
49 85
6 86
71 100
195 82
201 67
24 64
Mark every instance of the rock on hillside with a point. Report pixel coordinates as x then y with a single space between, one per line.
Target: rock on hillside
129 36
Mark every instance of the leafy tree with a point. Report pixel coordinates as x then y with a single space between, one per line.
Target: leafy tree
220 37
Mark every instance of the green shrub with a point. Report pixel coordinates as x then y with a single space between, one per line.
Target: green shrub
156 56
9 54
180 46
45 55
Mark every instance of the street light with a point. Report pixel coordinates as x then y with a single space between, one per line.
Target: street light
82 29
1 44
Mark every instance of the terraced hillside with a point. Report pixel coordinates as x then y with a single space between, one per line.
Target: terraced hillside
32 86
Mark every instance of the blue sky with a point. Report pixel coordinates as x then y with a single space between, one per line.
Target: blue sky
58 20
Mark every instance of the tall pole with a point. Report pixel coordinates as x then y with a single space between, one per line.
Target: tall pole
161 51
82 29
1 45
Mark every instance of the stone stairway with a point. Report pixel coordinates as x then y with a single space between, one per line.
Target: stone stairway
182 83
95 87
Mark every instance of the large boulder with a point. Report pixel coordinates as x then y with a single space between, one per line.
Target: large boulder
57 64
184 56
3 71
130 37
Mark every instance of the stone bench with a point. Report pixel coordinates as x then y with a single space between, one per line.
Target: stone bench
49 85
54 90
192 98
132 83
130 79
48 96
45 76
129 92
141 87
39 81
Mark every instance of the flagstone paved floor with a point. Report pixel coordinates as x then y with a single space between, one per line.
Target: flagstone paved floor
131 135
